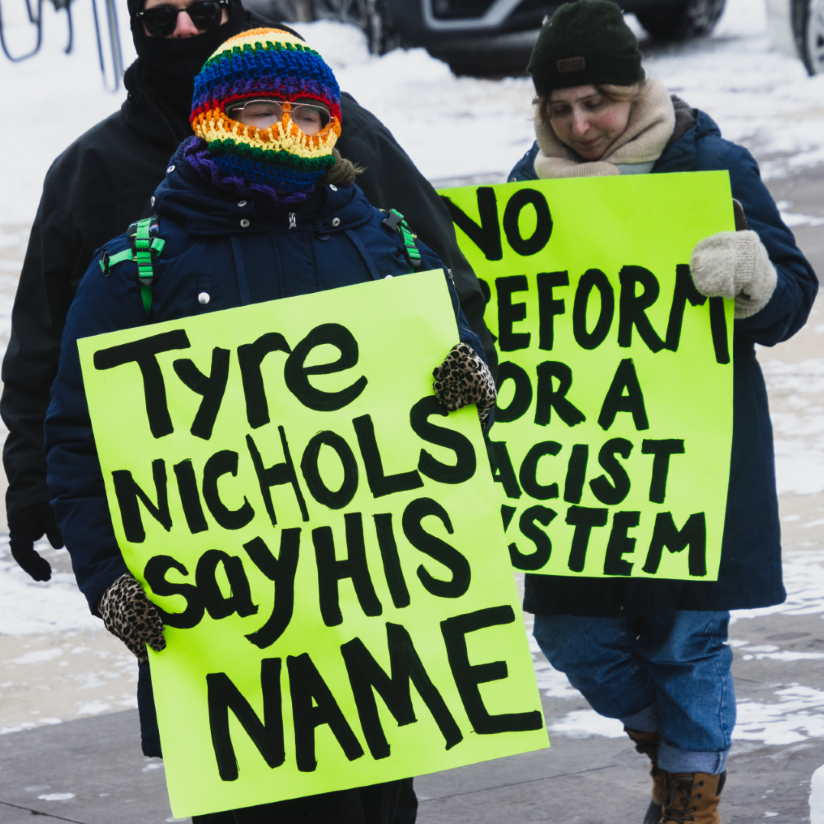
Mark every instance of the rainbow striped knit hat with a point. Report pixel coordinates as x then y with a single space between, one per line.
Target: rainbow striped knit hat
265 62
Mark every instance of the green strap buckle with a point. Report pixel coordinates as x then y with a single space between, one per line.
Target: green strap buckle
395 222
107 261
146 249
411 248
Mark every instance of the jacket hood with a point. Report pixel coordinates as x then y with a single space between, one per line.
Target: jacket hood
705 125
150 115
204 209
692 125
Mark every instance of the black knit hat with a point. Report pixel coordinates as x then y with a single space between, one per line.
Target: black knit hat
585 43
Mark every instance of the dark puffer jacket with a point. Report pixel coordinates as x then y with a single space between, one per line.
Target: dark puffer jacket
102 183
750 573
338 239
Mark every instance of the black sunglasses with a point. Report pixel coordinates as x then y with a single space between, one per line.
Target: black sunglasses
162 20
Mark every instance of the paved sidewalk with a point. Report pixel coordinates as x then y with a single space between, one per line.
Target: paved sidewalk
90 771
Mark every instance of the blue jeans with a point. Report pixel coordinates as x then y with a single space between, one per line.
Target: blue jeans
668 672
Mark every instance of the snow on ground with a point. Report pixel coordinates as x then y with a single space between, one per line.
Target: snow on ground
451 126
32 607
799 431
53 98
758 96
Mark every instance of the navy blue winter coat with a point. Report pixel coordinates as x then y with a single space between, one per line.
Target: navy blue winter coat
237 252
750 573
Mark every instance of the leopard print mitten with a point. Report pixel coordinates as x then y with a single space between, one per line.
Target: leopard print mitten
130 616
463 378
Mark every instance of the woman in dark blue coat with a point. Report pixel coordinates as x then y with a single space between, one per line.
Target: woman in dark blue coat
653 653
256 207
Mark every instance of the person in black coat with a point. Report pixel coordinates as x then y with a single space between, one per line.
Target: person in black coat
257 206
105 180
653 653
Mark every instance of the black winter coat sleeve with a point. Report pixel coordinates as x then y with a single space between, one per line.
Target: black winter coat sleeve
28 371
796 283
392 181
91 193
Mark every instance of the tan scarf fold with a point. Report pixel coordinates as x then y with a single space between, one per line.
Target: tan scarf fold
651 124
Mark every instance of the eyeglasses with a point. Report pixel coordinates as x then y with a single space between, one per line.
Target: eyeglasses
310 118
161 21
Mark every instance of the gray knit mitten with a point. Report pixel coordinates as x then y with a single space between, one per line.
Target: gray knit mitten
734 265
463 378
130 616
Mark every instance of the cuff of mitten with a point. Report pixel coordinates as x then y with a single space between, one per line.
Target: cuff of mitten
714 264
98 605
755 276
102 586
746 245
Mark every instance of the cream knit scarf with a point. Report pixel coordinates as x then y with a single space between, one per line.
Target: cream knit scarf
651 124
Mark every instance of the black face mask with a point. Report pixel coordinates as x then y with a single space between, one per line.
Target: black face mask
169 65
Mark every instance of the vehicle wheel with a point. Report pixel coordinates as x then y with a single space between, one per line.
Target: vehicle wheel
681 21
808 28
368 15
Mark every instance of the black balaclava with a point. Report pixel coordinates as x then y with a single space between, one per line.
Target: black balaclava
168 65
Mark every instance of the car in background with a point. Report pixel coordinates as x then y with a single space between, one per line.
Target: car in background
797 28
435 24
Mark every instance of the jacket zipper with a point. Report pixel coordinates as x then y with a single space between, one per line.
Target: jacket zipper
293 221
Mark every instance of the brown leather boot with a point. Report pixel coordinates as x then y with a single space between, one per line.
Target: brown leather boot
647 743
692 798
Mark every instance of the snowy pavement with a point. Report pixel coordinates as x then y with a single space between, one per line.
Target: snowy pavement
791 666
57 664
90 771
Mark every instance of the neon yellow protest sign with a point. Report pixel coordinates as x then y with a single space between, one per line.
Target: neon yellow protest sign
614 422
324 540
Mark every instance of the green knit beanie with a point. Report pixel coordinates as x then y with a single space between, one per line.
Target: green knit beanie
585 43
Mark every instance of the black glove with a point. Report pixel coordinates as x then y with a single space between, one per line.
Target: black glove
130 616
30 525
463 378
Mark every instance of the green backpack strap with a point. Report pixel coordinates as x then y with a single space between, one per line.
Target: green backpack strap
396 223
142 245
144 249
